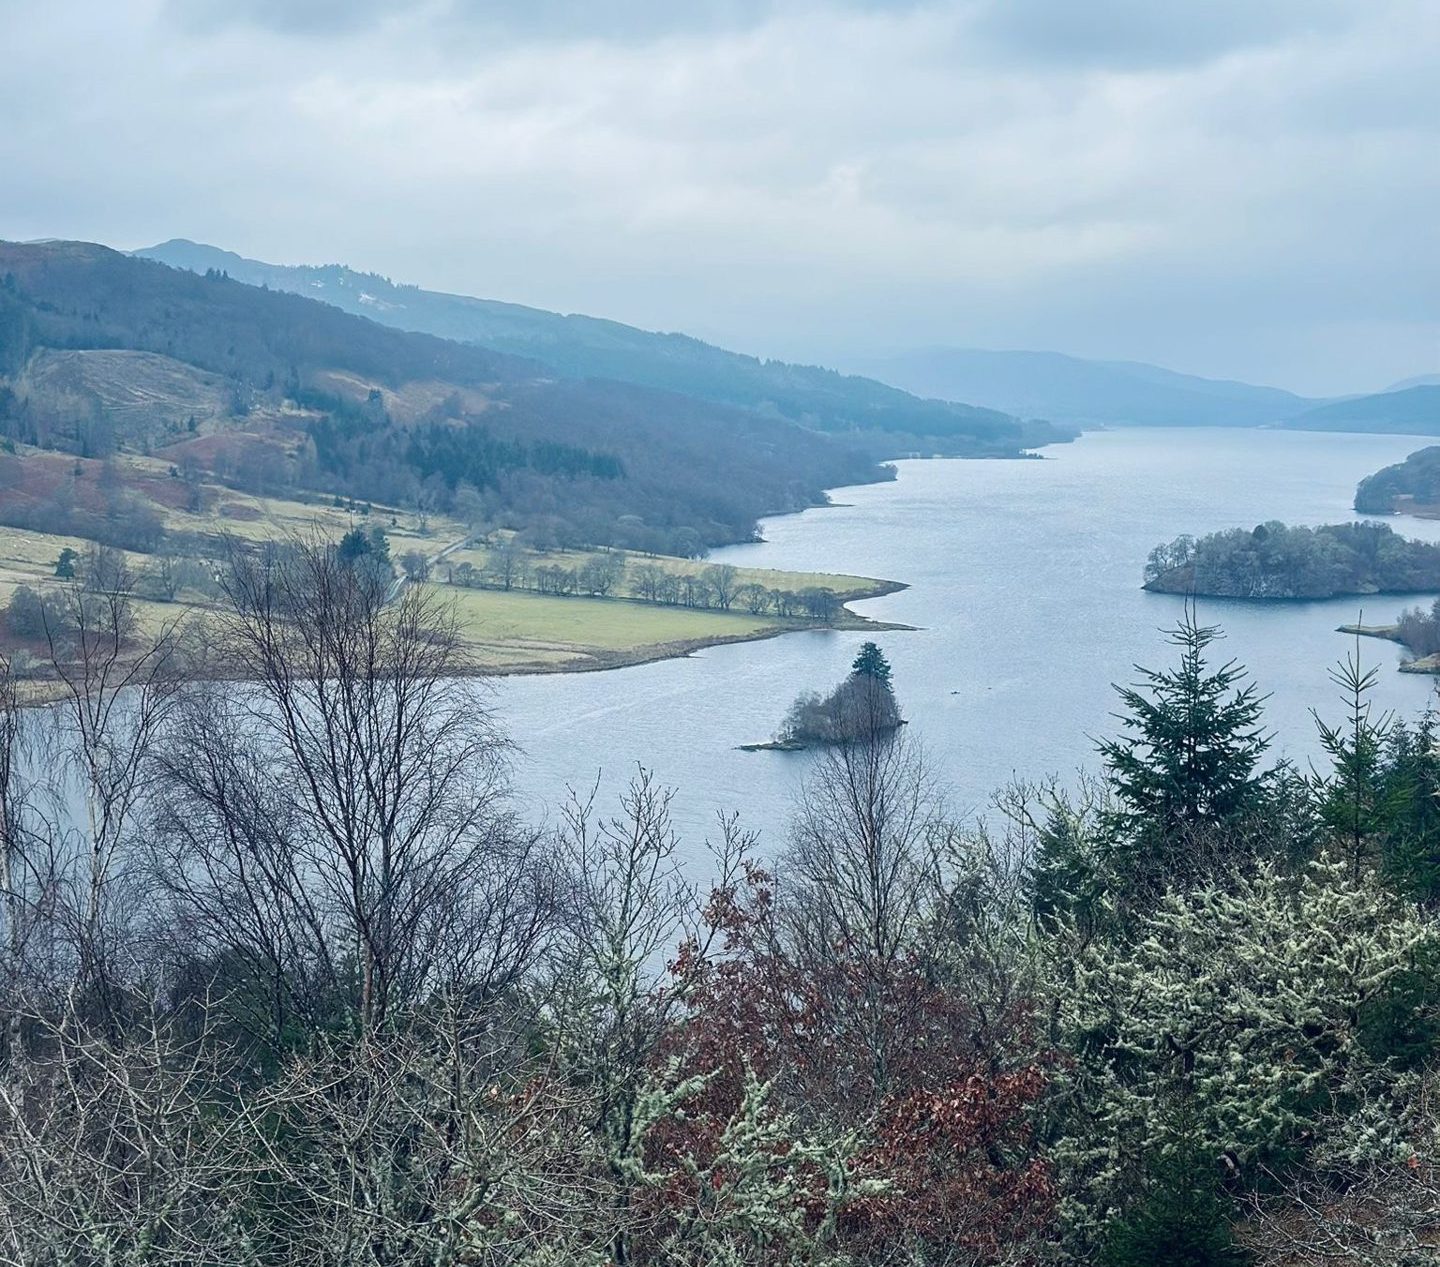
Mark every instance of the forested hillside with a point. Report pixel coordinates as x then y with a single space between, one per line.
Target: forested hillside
102 352
1412 485
882 419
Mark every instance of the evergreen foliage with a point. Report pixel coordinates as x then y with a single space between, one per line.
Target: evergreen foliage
1182 1221
871 663
1183 771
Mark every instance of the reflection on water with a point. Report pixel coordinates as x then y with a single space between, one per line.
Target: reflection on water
1024 581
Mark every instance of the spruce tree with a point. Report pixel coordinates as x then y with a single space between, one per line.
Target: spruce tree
1410 848
1355 802
871 663
1183 773
1183 1220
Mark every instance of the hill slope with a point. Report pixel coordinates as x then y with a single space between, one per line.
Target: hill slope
101 351
1070 390
1412 485
1409 411
883 419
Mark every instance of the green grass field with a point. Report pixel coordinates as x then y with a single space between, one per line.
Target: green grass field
504 630
515 631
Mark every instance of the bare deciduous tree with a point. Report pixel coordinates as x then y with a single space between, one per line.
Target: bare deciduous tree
124 1151
340 826
117 687
862 869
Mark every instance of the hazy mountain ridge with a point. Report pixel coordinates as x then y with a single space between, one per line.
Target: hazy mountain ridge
884 418
1408 410
1081 392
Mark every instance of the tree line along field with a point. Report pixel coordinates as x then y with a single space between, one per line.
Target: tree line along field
513 628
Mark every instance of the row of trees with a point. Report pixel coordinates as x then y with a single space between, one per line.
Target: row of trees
32 612
287 976
611 573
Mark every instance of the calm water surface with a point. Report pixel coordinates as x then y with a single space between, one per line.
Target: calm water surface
1024 583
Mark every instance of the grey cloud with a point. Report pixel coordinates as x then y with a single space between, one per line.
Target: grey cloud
287 17
547 20
1135 34
1255 196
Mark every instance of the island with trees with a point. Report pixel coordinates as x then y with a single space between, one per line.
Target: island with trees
1276 561
862 709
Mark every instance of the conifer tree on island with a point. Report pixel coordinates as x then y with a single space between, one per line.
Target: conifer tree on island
862 708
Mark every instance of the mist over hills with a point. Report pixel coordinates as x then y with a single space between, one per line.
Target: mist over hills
1082 392
880 418
1411 410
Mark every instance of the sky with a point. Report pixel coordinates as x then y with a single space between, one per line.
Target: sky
1239 188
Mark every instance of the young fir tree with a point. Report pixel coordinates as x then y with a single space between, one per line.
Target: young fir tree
1410 849
1182 1220
1355 802
1184 770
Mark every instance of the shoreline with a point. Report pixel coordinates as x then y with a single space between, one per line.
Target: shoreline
600 660
1391 633
42 691
529 654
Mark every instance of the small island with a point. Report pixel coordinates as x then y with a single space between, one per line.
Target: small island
861 709
1276 561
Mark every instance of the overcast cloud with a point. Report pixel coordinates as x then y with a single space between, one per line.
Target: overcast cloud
1244 188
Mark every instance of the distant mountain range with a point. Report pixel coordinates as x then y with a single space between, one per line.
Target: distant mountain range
1082 393
1406 411
884 420
1078 392
964 401
1419 380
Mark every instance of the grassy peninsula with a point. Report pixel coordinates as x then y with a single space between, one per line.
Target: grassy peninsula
521 608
